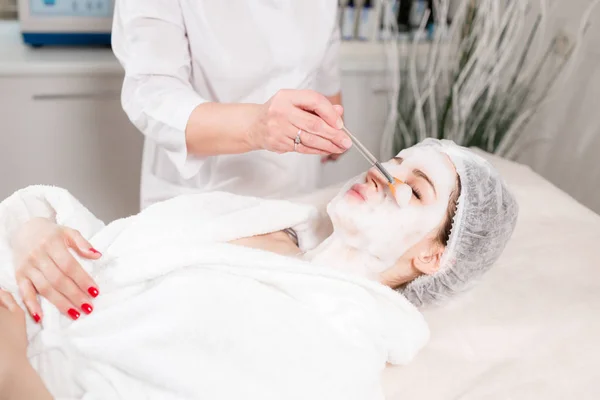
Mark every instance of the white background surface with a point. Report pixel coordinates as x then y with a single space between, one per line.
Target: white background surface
567 149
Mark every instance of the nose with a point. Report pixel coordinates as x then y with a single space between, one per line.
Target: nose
376 179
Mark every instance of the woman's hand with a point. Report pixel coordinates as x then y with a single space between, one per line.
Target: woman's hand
13 335
45 265
18 380
308 112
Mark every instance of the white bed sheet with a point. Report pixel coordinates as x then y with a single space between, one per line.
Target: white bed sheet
531 328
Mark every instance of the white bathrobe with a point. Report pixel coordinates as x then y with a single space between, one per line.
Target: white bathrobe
184 315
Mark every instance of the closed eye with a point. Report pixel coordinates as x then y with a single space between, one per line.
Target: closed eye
417 193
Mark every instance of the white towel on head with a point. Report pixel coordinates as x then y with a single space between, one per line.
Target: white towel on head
182 314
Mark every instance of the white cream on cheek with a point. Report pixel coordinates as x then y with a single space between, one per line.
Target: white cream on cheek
404 195
382 230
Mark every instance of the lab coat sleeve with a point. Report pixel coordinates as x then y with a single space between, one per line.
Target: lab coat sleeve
328 75
150 41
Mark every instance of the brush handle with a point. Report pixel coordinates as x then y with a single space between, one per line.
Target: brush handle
384 171
370 157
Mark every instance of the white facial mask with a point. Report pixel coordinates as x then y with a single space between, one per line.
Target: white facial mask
387 227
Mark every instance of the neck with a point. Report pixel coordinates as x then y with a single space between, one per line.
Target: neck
334 253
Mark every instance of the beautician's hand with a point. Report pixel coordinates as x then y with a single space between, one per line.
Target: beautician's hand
45 266
308 112
333 157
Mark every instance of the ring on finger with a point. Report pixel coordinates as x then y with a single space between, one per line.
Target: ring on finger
297 140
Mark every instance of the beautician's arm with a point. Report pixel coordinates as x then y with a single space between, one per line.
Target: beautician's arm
217 128
150 41
18 379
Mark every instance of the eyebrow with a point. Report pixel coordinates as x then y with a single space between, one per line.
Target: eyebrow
418 173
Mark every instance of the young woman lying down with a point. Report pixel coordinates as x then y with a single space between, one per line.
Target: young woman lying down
225 297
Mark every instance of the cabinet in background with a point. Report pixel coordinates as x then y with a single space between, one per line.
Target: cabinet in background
70 132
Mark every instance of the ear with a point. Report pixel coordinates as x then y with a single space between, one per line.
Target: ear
428 260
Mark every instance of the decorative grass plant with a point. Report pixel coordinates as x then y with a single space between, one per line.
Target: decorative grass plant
481 78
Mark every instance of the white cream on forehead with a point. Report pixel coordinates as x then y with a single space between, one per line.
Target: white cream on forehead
385 229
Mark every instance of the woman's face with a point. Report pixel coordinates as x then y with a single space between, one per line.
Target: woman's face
367 216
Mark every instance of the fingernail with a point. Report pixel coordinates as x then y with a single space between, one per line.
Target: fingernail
347 143
73 313
93 291
93 250
87 308
339 123
36 318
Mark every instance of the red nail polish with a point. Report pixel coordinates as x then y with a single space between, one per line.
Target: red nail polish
73 313
93 291
93 250
87 308
37 318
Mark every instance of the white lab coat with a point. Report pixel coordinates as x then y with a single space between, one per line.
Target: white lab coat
178 54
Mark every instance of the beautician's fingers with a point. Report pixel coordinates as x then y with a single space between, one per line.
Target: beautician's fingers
318 143
315 102
29 296
286 145
63 284
45 288
339 109
87 288
333 140
309 150
333 157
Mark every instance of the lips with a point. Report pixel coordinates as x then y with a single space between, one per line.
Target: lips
357 192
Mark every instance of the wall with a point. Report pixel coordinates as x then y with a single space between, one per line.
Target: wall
70 132
566 134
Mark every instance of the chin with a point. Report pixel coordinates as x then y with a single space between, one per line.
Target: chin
340 209
346 214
